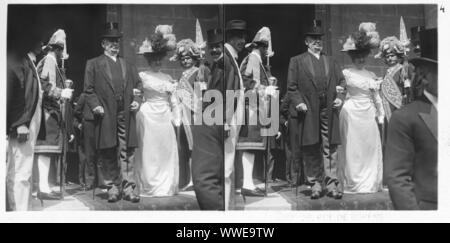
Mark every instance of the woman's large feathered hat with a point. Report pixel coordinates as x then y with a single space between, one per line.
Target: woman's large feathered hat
366 38
161 41
391 44
187 47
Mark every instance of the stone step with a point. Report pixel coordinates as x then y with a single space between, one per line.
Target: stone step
281 196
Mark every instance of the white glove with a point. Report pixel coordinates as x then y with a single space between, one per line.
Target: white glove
176 122
271 91
407 83
380 119
171 87
137 92
67 93
340 89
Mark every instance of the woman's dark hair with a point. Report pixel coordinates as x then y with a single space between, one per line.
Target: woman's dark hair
361 53
154 56
159 47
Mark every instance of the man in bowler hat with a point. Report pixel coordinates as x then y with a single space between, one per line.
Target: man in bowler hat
113 89
235 34
313 78
410 162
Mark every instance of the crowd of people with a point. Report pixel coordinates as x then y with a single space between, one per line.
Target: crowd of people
343 131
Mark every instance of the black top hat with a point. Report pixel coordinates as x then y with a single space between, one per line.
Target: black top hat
315 29
236 25
415 33
214 36
112 30
428 47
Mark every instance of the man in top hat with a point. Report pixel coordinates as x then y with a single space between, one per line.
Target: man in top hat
410 162
235 34
113 89
313 79
208 150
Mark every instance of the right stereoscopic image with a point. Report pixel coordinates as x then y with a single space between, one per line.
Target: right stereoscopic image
330 107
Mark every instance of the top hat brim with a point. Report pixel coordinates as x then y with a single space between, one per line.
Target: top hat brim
314 34
215 40
112 35
236 29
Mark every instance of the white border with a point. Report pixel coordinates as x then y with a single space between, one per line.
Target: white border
442 215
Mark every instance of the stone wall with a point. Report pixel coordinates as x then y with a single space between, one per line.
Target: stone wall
341 20
139 21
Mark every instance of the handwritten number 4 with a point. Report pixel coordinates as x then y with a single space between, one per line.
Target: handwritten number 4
442 8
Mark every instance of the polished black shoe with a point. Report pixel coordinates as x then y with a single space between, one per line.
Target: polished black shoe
112 198
113 195
251 193
261 190
335 194
48 196
132 198
315 195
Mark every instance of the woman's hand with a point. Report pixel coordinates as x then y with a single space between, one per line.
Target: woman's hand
176 122
134 106
375 85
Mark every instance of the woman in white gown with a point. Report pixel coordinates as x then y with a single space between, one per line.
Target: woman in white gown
156 159
360 155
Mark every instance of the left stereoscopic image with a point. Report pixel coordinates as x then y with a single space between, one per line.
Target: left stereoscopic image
99 110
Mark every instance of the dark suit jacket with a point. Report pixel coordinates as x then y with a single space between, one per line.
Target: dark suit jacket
231 73
100 92
22 94
302 88
410 162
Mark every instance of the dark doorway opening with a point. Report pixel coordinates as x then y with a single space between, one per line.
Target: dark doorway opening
83 25
287 24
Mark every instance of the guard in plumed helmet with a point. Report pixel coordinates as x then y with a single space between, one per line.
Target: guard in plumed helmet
52 79
258 83
396 88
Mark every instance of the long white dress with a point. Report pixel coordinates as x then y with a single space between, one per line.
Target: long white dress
360 155
156 159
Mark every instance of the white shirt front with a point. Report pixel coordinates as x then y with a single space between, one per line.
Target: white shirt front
231 49
32 56
432 98
217 59
114 58
317 55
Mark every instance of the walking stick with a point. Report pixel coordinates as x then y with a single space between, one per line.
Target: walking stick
62 170
266 160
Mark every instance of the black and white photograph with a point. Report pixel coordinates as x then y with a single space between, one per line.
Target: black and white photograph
223 107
